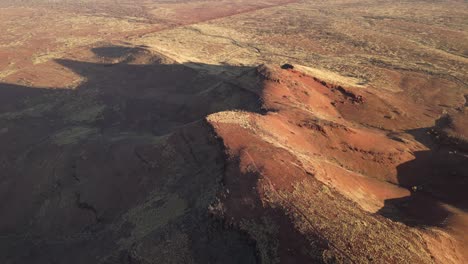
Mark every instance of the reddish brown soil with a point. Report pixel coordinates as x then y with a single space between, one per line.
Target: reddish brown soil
315 135
308 170
118 154
200 11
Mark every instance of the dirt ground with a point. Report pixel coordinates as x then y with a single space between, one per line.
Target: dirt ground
167 132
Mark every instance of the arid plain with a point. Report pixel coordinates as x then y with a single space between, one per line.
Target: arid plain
168 132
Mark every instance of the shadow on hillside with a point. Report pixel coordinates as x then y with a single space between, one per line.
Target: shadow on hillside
153 97
77 164
438 175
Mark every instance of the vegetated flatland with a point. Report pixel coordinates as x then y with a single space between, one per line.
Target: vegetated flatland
167 132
